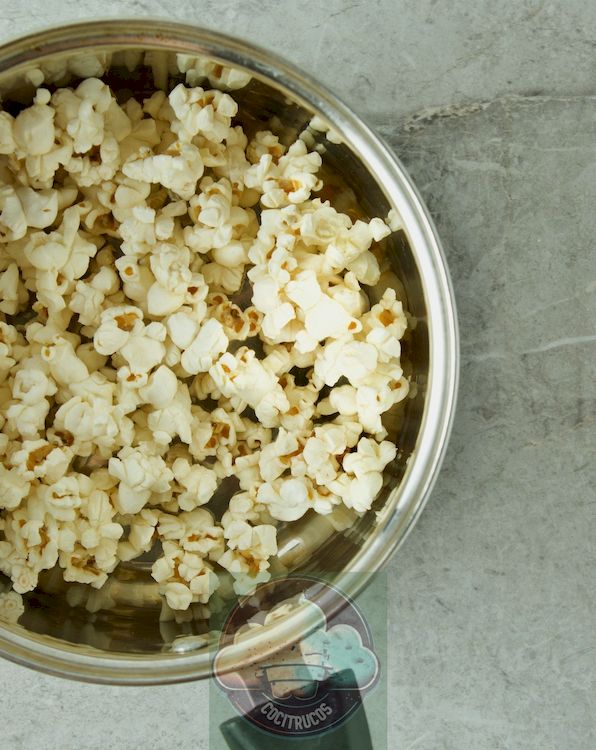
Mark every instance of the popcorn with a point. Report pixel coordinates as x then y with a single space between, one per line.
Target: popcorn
354 360
276 457
363 479
320 453
33 129
141 535
26 420
63 498
290 180
15 488
11 607
64 365
142 244
140 473
182 327
88 298
13 295
385 325
249 548
94 552
215 433
198 482
172 420
93 419
122 330
287 499
160 389
223 278
66 250
222 76
177 169
199 112
244 378
38 459
208 344
183 573
13 223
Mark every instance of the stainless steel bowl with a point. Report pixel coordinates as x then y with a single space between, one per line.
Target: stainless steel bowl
118 637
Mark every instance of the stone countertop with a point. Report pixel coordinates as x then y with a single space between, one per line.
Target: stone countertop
492 107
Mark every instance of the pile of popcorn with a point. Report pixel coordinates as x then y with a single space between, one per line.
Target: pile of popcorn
176 307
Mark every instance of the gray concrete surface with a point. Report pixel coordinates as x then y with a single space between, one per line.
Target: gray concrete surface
492 608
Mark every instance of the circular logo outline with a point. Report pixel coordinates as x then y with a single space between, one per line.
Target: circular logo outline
283 696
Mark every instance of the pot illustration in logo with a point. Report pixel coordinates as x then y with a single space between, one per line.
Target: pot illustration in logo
307 686
298 677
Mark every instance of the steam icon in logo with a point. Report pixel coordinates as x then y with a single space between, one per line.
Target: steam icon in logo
308 686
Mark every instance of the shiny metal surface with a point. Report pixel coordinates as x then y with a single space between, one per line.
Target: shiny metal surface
116 635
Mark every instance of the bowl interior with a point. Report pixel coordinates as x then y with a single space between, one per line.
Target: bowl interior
124 618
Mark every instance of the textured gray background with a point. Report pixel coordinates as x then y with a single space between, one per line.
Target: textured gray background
492 610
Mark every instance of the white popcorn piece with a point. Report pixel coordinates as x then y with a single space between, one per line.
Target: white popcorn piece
264 142
182 327
63 498
198 68
325 319
64 365
92 360
160 389
140 473
174 419
15 488
66 250
186 541
276 320
199 484
363 479
394 220
215 433
317 123
94 552
83 113
276 457
87 302
321 465
37 459
290 180
141 535
249 547
11 607
243 377
304 290
33 128
178 595
117 326
32 385
354 360
286 499
93 419
26 420
122 330
13 295
13 222
199 112
206 347
177 169
385 324
222 278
